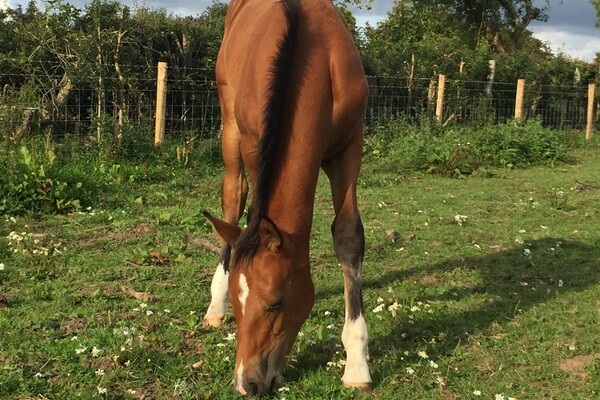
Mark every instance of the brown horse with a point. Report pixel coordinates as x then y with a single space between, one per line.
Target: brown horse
293 94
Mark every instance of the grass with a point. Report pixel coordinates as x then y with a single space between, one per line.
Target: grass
474 288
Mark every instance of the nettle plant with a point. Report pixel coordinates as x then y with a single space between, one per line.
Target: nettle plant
30 184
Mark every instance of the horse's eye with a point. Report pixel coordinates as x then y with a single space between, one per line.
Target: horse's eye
275 307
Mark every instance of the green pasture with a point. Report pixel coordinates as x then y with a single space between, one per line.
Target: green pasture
479 282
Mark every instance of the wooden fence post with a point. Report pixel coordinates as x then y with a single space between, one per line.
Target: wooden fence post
161 104
590 111
439 108
519 99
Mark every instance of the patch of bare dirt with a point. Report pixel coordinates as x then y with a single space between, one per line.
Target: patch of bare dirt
3 301
203 243
141 296
122 236
428 280
577 365
73 325
486 365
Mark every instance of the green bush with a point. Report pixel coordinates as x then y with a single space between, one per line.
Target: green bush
30 184
73 173
459 151
520 143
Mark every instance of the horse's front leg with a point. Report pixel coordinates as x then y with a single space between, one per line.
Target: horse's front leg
349 242
349 246
235 191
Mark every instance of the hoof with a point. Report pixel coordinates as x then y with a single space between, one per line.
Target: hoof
212 321
365 387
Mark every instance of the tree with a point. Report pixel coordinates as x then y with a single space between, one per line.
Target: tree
596 3
503 22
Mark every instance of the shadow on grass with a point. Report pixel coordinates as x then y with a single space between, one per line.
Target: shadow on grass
499 276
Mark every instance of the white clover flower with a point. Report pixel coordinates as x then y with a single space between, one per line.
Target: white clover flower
80 350
433 364
96 351
2 266
394 308
477 392
380 300
460 219
422 354
379 308
498 396
560 283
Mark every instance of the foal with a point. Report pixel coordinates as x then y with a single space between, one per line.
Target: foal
293 95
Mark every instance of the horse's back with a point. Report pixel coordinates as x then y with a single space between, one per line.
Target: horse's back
326 95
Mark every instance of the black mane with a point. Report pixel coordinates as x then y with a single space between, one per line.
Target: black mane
267 170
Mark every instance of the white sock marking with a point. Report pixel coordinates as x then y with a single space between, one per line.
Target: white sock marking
354 338
244 292
240 379
218 292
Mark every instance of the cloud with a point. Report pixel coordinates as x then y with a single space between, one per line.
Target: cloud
581 46
570 25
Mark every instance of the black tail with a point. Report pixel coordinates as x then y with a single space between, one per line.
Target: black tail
267 168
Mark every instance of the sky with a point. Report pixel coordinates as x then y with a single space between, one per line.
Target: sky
570 27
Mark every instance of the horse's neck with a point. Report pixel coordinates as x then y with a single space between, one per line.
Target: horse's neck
292 200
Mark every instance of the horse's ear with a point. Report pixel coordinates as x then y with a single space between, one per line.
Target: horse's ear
270 237
229 233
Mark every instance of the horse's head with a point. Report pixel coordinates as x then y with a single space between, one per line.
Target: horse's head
272 294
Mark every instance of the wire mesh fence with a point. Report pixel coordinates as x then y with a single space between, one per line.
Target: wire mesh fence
104 106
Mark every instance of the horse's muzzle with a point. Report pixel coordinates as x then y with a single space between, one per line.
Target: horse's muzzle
259 388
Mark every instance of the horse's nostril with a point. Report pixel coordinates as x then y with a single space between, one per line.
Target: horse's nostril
276 383
253 388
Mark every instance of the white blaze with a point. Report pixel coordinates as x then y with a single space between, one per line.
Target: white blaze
240 379
244 292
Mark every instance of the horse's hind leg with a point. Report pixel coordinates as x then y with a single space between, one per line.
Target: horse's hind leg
235 190
348 238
